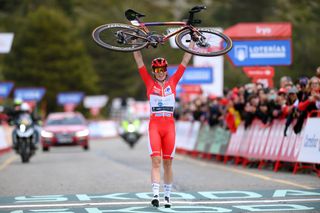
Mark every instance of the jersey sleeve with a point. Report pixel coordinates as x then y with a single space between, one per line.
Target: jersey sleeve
178 74
145 76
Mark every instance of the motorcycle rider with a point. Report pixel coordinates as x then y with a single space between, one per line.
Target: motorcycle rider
15 113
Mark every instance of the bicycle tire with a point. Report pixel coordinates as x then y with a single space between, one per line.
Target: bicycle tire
107 31
220 50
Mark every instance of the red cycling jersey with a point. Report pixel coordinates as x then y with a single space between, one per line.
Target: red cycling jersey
162 102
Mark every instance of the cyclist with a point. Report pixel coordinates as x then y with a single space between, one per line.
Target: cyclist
161 92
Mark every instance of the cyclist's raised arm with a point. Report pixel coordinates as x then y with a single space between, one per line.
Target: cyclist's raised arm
142 68
138 58
187 56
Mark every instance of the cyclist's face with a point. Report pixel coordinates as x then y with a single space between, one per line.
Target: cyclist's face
160 73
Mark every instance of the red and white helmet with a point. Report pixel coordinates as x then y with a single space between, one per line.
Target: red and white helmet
159 62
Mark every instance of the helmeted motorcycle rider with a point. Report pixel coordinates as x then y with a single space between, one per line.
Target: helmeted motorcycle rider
15 113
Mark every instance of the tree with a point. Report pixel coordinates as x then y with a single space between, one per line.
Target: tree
47 52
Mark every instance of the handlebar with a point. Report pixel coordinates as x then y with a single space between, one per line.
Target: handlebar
194 10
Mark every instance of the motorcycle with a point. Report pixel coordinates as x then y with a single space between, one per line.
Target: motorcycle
24 135
130 132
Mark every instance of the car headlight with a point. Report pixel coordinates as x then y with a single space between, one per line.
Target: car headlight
46 134
82 133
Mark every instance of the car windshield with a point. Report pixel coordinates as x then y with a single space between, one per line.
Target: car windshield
66 121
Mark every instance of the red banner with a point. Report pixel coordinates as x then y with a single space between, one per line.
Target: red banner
260 30
259 72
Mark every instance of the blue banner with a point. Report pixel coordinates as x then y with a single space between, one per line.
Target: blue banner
70 98
29 94
5 89
194 75
261 53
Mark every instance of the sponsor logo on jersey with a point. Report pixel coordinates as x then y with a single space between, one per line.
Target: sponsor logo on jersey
167 90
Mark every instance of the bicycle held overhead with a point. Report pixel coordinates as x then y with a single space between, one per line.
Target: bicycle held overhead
129 38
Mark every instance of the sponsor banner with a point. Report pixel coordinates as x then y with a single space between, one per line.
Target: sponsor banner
6 42
261 53
260 30
187 134
220 140
5 89
259 139
194 75
236 141
140 109
70 98
259 72
5 137
310 145
291 145
275 139
96 101
102 129
29 94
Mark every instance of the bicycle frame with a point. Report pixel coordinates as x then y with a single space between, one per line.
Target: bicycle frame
144 27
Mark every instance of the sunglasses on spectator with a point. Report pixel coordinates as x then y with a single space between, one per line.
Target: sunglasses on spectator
159 69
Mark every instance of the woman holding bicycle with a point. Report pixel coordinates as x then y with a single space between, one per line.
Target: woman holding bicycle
161 92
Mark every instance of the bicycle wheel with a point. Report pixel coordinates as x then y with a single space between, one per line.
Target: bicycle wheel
209 43
120 37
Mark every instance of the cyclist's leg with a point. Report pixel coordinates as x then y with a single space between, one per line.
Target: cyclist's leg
168 147
154 146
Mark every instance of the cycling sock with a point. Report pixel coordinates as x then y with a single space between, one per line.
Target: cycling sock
155 189
167 190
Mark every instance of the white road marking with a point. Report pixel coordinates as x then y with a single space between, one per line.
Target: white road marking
147 202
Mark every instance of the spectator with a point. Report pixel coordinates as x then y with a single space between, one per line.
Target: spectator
318 72
311 103
285 81
291 108
250 110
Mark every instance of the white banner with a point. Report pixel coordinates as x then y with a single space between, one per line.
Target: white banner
97 101
310 146
187 134
6 42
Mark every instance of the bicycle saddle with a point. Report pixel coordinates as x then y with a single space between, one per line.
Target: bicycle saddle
132 15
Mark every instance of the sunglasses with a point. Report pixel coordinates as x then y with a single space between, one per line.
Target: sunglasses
159 69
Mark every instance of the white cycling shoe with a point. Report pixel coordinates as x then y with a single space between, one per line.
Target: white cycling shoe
167 203
155 201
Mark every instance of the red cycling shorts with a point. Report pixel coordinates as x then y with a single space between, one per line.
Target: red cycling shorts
162 137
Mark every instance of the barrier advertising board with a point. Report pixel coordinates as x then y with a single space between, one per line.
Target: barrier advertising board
310 146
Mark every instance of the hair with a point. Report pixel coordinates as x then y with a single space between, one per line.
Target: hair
310 81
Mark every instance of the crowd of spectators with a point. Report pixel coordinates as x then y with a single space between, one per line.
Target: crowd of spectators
293 101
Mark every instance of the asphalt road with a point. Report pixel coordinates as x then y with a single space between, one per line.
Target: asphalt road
111 177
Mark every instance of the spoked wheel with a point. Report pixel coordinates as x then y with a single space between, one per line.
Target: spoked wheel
207 43
120 37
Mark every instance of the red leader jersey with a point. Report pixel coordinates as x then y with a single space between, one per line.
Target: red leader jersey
162 102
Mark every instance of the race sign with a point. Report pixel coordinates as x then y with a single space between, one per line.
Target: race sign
260 30
194 75
73 98
29 94
97 101
5 89
261 53
6 42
